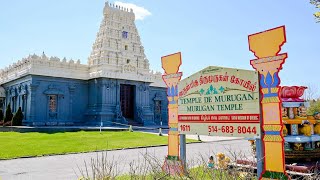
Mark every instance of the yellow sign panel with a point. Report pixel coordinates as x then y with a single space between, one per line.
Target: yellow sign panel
171 63
220 101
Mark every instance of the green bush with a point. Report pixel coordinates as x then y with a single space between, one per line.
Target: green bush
314 107
1 115
9 114
17 118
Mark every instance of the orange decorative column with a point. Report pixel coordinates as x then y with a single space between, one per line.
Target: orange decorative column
172 77
266 46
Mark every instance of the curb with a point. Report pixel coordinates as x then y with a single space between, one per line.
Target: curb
57 129
118 149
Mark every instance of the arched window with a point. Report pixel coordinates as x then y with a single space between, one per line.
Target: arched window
52 103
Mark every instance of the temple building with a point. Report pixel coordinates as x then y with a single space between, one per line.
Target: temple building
115 87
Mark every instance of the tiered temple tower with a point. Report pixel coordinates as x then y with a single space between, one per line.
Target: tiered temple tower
117 48
120 74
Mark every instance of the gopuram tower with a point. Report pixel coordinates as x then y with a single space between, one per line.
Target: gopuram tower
122 87
117 50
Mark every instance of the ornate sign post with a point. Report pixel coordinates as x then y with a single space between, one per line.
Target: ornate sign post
171 77
266 47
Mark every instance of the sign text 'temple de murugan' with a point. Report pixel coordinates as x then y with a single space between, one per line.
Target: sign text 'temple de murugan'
220 102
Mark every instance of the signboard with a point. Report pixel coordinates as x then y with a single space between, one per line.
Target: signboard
220 101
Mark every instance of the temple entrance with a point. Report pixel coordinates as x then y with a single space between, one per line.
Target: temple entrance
127 101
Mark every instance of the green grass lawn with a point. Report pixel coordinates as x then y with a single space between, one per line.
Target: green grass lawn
14 144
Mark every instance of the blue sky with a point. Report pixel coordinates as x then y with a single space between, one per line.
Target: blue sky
207 32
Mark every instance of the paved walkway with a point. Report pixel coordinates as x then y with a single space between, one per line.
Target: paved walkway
66 167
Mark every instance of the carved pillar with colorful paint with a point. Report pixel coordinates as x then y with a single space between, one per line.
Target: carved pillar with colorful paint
172 77
266 46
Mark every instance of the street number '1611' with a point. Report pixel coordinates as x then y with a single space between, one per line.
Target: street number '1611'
185 127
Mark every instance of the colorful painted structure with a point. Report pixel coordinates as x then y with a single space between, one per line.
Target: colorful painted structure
289 134
301 131
270 147
171 63
266 46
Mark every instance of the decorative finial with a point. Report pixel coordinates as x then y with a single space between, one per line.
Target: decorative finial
43 55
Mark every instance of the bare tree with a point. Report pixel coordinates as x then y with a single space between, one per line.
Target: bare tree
316 3
311 92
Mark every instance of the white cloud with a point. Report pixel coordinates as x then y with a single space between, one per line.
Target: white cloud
140 12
